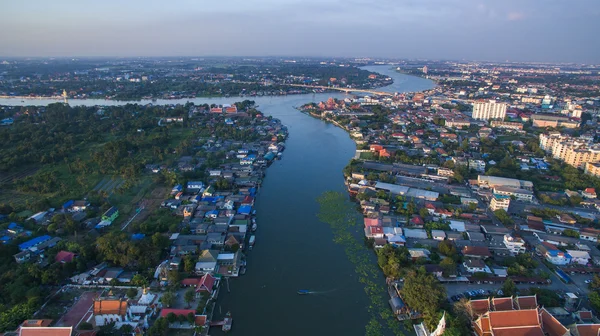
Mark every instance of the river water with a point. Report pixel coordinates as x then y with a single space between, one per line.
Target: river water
294 250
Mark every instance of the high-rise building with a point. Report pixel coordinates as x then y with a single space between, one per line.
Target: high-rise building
489 110
573 151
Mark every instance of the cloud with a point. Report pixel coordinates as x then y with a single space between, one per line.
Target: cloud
515 16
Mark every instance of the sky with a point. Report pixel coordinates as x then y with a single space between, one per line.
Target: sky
493 30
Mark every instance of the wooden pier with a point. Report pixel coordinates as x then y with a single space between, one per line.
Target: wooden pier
225 323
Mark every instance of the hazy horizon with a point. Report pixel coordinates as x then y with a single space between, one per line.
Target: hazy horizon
511 30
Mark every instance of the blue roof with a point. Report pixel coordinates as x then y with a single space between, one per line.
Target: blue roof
5 238
245 209
33 242
209 199
68 204
178 187
137 236
213 212
14 226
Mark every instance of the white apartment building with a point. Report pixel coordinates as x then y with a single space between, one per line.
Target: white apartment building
573 151
520 194
513 244
478 165
500 202
489 110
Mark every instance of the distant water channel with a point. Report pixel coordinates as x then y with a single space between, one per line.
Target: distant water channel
294 250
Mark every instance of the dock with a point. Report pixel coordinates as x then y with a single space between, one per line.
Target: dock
225 323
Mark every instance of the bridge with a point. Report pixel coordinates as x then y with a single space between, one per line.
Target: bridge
347 90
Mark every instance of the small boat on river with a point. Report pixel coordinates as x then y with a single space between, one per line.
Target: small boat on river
303 292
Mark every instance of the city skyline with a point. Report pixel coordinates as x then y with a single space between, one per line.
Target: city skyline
544 31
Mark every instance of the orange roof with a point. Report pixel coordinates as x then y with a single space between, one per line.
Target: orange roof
520 331
501 304
102 307
514 318
527 302
552 326
46 331
588 329
480 307
585 314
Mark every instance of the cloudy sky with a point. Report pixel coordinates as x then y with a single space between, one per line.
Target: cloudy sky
515 30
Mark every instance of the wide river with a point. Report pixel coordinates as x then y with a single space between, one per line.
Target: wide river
294 250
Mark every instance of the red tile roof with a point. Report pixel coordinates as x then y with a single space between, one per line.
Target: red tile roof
206 283
501 304
185 312
46 331
588 329
372 222
64 256
552 326
480 251
514 318
480 307
527 302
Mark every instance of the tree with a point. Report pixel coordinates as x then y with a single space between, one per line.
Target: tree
191 317
509 288
595 284
171 317
132 292
168 299
447 248
139 281
503 216
189 296
189 264
423 212
173 277
594 298
423 293
571 233
159 328
449 267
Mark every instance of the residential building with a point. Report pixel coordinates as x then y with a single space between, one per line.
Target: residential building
589 193
576 152
507 125
579 257
457 123
489 110
515 245
592 168
500 202
476 252
42 331
476 266
544 120
553 255
518 193
478 165
495 181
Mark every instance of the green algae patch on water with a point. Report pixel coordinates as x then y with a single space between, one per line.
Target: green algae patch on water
341 215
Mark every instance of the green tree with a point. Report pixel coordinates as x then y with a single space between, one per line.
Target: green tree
571 233
423 212
189 296
423 293
171 317
594 298
132 292
449 267
191 318
509 288
503 216
168 299
447 248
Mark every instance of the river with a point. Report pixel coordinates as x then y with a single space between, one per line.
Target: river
294 250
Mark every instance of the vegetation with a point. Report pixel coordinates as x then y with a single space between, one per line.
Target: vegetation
340 215
423 293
